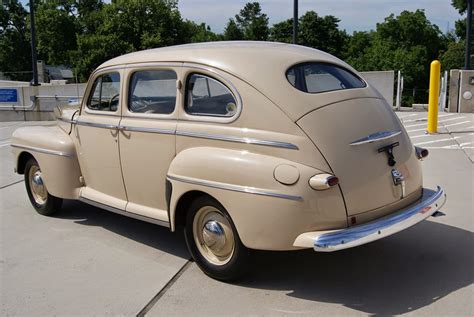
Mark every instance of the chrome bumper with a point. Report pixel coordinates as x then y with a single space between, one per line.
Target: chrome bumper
429 204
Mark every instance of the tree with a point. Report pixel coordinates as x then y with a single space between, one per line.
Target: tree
408 42
15 52
282 31
200 32
453 57
314 31
252 22
322 33
126 26
56 27
232 32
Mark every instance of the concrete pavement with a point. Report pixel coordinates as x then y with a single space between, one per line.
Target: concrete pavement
90 262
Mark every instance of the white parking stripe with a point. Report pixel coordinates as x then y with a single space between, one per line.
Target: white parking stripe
449 125
436 141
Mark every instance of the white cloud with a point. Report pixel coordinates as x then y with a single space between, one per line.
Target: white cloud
357 15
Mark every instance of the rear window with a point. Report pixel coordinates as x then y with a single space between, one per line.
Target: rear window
320 77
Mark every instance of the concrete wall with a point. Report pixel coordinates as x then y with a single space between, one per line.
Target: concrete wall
28 108
461 91
383 81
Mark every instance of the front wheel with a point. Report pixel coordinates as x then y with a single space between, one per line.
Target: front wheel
43 202
213 240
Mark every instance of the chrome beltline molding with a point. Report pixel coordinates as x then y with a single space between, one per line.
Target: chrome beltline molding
39 150
96 125
429 204
375 137
219 137
124 212
279 144
235 188
146 130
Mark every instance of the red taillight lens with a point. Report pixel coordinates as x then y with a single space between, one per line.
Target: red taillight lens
333 181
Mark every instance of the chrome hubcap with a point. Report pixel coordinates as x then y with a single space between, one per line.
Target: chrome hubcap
38 189
213 235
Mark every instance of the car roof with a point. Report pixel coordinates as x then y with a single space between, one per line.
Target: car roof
261 64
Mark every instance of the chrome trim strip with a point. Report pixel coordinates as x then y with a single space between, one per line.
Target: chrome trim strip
279 144
429 204
146 130
375 137
235 188
66 120
124 213
39 150
96 125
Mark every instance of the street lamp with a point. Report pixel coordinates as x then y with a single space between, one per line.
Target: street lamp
295 21
467 57
33 44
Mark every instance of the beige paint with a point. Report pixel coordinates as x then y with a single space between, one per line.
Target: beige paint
264 188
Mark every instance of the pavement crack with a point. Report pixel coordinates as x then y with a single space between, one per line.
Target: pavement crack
11 184
168 285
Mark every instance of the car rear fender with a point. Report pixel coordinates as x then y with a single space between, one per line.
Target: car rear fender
267 213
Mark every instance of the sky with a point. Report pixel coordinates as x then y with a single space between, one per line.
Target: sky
355 15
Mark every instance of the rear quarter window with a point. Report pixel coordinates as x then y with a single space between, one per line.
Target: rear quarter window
321 77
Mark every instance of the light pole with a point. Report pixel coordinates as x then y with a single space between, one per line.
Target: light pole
33 44
295 21
467 57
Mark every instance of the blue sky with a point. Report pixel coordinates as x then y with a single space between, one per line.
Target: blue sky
355 15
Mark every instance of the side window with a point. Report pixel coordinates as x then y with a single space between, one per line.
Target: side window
206 96
105 93
152 91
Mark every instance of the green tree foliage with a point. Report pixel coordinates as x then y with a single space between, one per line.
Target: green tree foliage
282 31
453 57
15 52
200 32
232 32
126 26
460 5
249 24
314 31
56 32
408 42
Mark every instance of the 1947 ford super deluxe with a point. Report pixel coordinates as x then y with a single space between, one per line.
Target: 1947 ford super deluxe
246 145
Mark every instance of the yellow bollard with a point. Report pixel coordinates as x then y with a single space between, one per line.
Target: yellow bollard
434 97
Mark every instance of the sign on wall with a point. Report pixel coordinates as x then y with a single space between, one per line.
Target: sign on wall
9 95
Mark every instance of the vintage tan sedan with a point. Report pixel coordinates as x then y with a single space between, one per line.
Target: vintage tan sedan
245 145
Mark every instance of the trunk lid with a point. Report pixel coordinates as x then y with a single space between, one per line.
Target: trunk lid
365 176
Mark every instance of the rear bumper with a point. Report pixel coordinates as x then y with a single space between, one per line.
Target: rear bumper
334 240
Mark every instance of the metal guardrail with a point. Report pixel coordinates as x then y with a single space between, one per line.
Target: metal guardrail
34 99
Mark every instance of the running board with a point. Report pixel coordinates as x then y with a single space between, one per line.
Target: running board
124 212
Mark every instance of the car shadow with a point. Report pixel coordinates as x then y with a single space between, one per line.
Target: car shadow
152 235
396 275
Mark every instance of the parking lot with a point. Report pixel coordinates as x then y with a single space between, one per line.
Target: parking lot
86 261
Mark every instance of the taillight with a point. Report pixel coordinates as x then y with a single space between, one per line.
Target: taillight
323 181
421 153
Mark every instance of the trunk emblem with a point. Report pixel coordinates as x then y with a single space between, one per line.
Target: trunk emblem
399 180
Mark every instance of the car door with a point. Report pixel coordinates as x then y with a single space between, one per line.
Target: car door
96 137
147 137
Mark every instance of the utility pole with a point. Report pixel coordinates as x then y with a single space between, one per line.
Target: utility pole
467 57
33 44
295 21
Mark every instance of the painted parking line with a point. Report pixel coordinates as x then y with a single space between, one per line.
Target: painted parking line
437 141
458 123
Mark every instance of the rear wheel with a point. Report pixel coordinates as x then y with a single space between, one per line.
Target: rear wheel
213 240
43 202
